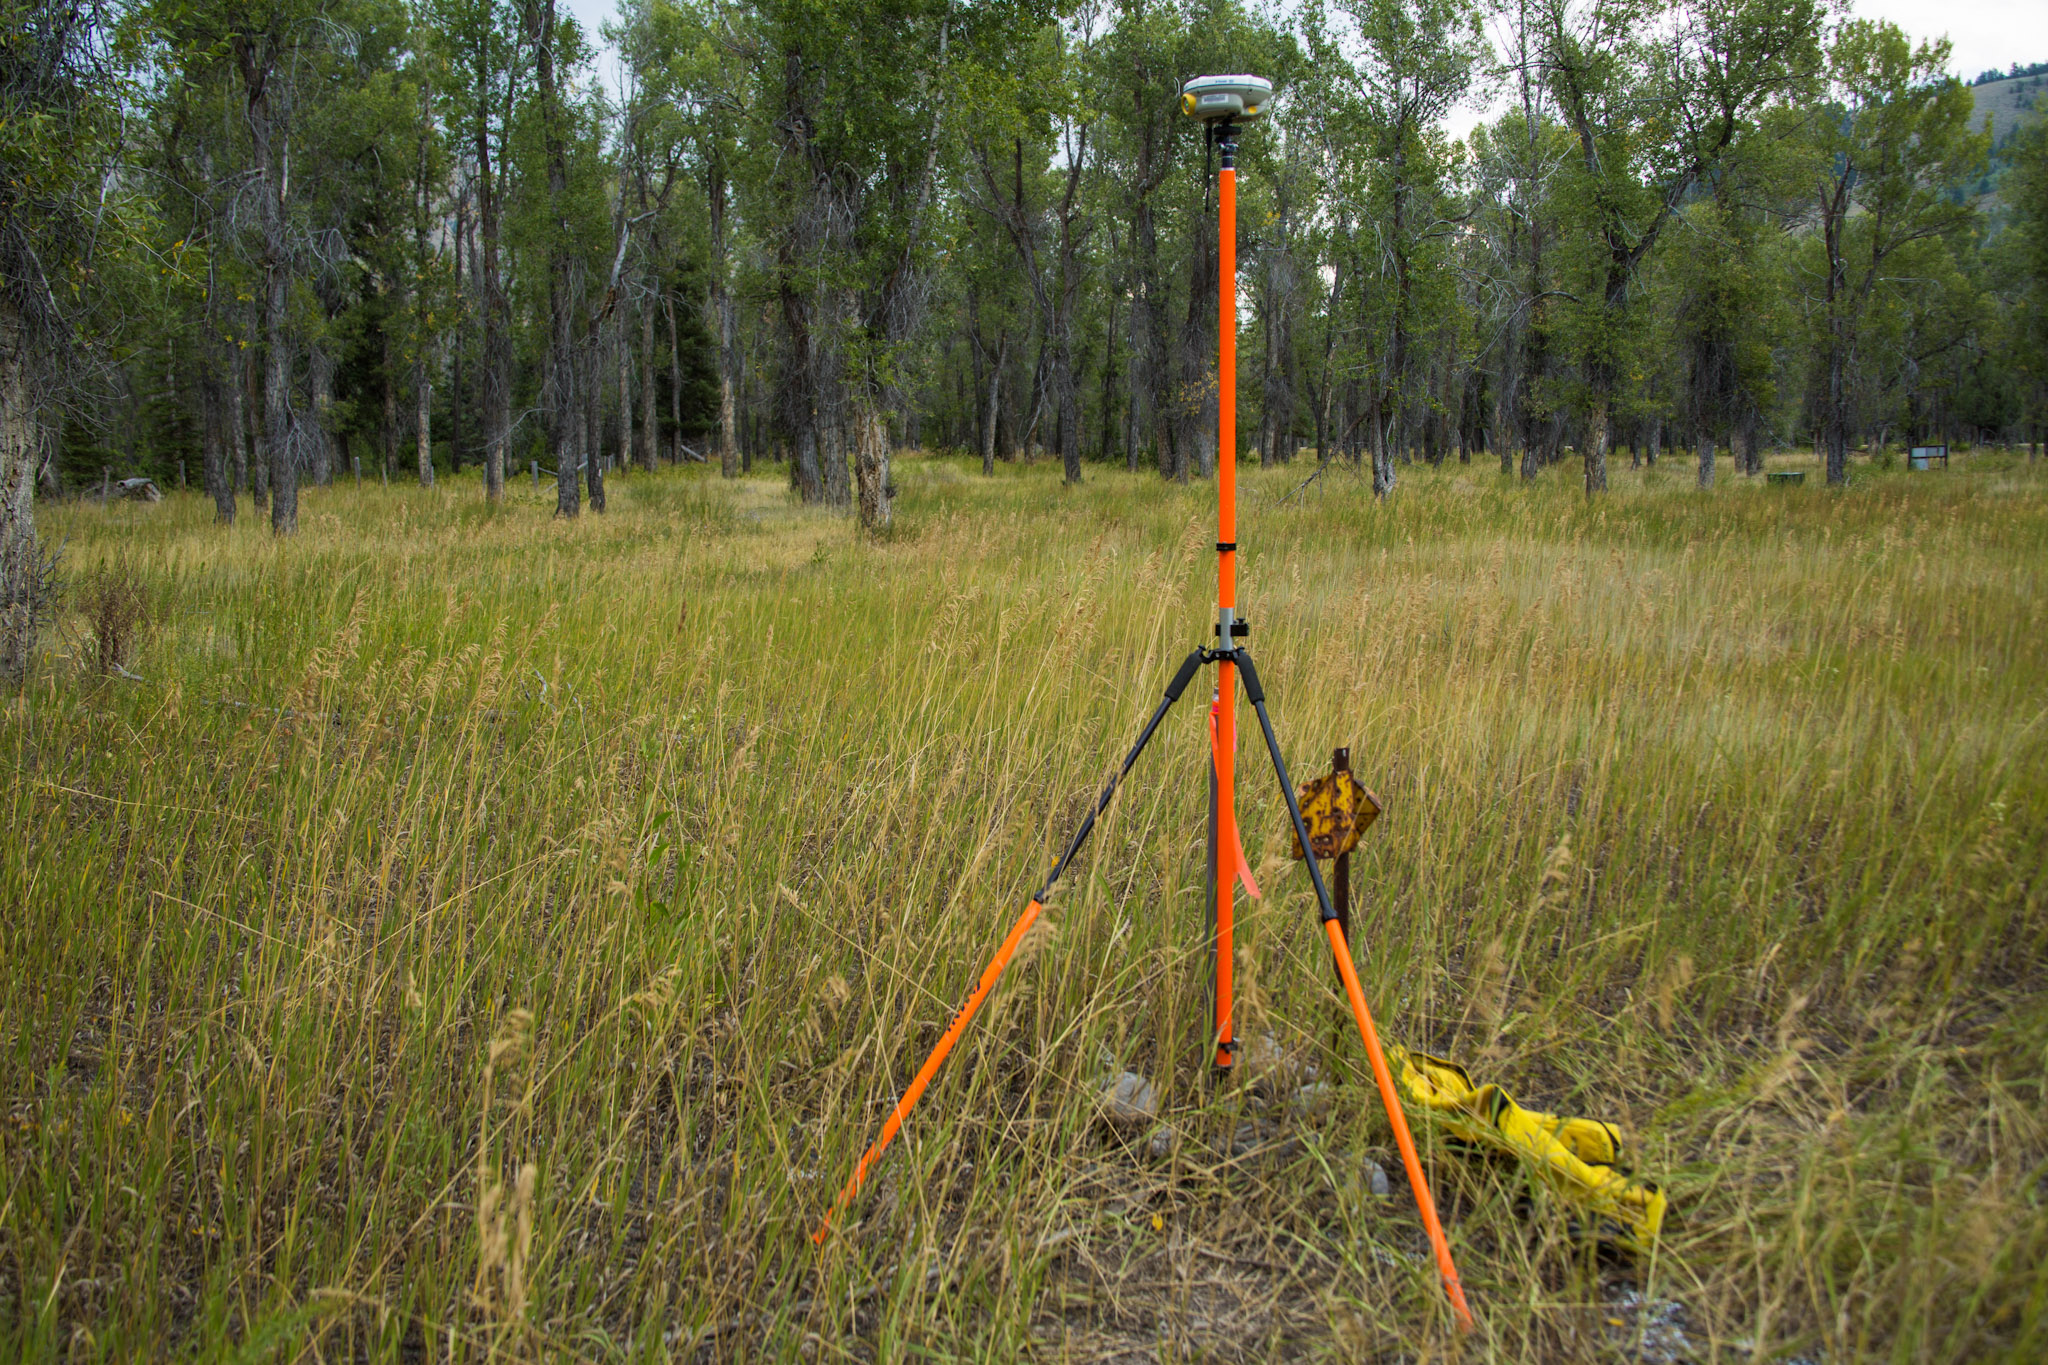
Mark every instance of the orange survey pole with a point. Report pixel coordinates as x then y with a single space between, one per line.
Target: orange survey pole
989 976
1424 1204
1225 889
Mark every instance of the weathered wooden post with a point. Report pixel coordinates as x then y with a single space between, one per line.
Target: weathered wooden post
1340 762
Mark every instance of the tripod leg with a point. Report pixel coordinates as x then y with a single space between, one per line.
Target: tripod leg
994 971
1382 1076
1256 695
890 1126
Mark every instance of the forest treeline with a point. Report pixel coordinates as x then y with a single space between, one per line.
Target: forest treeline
250 243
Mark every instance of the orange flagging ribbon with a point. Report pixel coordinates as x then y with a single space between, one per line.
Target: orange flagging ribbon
1236 850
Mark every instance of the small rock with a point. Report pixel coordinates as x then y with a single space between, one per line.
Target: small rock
1654 1330
1267 1066
1130 1101
1163 1138
1311 1101
1376 1179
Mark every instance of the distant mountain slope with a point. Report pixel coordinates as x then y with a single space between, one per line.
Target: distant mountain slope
2008 103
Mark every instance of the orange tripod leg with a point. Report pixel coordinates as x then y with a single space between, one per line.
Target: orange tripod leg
890 1126
1255 693
1424 1203
994 971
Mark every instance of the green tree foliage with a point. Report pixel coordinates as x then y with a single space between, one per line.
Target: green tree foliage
1889 141
424 235
62 229
1655 96
1386 72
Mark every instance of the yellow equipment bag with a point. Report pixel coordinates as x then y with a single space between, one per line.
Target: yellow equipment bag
1579 1158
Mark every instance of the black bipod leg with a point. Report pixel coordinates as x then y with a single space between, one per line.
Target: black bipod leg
1256 695
1174 688
1368 1033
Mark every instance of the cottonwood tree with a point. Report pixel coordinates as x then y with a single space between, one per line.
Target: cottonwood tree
1386 73
365 159
1040 100
266 41
1142 58
690 64
259 53
1890 139
60 100
2026 267
486 54
1655 93
431 283
192 140
1722 331
560 375
842 186
1280 249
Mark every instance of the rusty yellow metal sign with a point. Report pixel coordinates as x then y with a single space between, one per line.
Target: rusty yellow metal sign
1337 809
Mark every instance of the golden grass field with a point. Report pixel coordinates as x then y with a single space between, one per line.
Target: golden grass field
471 935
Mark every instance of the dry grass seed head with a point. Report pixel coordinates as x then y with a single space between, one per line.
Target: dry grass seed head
118 612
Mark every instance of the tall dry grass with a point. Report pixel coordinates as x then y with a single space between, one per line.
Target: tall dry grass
470 935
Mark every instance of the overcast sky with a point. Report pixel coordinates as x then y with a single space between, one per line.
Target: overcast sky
1985 33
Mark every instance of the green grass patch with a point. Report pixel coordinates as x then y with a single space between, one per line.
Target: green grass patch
469 934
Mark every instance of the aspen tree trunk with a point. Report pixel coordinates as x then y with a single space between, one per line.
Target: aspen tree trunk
871 461
675 378
647 386
1706 477
624 358
995 400
425 421
20 553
